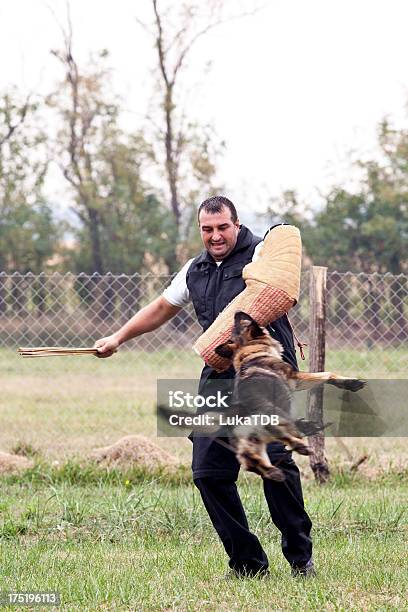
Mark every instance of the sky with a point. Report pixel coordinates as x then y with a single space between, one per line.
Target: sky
296 91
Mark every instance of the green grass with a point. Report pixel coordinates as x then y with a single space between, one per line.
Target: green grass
110 540
69 405
117 542
368 363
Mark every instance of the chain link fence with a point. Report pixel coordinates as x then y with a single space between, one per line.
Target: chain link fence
366 326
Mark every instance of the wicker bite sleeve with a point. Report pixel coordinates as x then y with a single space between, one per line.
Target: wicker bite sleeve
272 288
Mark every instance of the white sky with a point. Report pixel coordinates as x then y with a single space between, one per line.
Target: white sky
292 90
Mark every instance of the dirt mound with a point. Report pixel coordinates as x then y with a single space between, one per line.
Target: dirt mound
132 451
14 463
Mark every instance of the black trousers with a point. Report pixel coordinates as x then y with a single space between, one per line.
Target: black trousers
220 496
215 472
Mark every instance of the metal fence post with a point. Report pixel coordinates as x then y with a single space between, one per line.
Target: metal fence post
317 342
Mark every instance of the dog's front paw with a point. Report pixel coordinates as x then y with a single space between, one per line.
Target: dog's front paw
349 384
354 384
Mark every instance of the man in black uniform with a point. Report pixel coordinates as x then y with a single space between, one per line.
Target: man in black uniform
211 281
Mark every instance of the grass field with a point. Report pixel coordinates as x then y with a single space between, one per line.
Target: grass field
131 540
68 405
122 542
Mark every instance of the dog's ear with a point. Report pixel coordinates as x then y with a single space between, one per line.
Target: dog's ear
241 318
244 321
226 350
256 330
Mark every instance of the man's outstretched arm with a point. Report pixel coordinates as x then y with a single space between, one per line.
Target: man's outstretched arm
147 319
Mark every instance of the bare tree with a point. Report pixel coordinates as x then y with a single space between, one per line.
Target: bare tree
82 106
175 31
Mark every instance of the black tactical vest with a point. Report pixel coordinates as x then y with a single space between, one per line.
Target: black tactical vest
213 287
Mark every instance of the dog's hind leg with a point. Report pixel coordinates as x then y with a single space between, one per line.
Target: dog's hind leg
288 435
296 444
253 457
273 473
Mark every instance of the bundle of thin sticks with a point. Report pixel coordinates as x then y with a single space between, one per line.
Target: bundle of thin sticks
54 351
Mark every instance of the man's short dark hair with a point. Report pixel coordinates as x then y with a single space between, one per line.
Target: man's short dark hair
215 205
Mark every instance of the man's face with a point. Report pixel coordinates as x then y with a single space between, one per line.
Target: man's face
218 232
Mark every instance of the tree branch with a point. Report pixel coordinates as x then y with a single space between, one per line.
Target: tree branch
205 30
159 45
12 127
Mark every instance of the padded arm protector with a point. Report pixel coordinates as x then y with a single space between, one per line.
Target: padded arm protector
272 288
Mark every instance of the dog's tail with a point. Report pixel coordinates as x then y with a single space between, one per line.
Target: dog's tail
310 428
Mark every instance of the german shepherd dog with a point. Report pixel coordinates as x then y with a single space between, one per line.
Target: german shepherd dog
263 385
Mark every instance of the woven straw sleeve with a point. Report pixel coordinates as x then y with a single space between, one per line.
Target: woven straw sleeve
272 288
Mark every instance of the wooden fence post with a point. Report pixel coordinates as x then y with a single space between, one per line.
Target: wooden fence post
317 344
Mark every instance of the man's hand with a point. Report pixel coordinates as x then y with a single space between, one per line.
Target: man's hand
147 319
107 346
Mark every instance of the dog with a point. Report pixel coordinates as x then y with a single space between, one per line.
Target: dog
260 410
